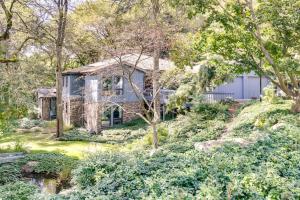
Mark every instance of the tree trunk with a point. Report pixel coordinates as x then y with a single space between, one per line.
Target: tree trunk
296 105
62 20
156 71
155 136
59 102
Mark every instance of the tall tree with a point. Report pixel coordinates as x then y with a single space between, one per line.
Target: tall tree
62 6
156 70
262 36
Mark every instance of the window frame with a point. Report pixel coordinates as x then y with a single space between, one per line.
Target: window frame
113 89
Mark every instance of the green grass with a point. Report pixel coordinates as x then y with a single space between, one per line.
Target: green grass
41 142
119 138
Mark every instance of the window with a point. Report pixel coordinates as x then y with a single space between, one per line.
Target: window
107 86
113 86
118 85
111 116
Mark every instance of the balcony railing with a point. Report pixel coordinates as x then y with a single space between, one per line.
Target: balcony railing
213 97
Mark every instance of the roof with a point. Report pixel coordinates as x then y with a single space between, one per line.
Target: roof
145 63
46 92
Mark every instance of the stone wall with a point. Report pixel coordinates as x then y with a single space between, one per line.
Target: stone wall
73 112
129 110
45 110
91 117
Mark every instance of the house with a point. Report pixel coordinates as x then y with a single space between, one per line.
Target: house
46 103
105 93
241 88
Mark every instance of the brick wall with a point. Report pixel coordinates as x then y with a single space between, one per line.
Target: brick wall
45 110
130 109
73 112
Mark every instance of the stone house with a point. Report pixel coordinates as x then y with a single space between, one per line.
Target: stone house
106 93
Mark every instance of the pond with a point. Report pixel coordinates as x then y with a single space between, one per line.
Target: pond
47 184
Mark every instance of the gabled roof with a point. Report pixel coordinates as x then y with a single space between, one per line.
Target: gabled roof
145 63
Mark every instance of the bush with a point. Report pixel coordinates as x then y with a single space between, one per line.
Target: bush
16 147
267 169
162 134
51 163
211 111
270 95
18 191
9 173
26 123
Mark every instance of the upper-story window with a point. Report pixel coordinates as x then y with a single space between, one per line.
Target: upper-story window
113 85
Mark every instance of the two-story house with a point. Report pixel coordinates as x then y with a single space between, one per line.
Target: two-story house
106 93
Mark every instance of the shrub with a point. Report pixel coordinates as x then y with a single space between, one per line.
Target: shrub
162 134
16 147
9 173
267 169
211 111
27 123
51 163
18 191
270 95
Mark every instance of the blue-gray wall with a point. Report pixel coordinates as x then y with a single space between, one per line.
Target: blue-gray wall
93 89
246 86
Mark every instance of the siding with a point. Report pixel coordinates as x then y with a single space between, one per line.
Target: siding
91 89
244 87
128 94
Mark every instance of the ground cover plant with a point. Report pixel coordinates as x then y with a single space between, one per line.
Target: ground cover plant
120 134
266 169
14 184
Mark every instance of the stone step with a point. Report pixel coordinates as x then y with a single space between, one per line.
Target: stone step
10 157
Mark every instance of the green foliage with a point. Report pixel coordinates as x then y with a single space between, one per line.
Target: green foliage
51 163
18 191
270 95
162 134
211 111
119 134
27 123
267 169
18 146
9 173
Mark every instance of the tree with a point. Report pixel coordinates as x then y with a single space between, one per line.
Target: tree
131 28
262 36
62 6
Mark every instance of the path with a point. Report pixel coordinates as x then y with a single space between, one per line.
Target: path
225 137
10 157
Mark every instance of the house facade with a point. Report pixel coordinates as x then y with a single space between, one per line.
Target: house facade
107 93
243 87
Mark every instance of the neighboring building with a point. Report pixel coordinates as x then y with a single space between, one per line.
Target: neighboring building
100 95
46 103
243 87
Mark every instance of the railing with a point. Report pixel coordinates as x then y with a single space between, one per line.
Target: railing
164 95
213 97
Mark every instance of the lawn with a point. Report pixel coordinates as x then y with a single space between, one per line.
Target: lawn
42 139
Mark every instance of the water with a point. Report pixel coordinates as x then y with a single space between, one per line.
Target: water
47 185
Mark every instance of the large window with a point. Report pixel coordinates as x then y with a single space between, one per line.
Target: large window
113 86
111 116
118 85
